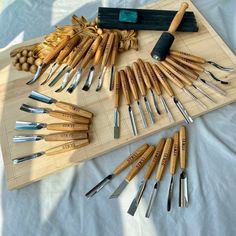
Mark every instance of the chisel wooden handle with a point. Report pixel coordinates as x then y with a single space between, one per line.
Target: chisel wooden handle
144 73
164 158
56 50
174 153
74 109
66 147
188 56
177 73
140 163
131 158
107 49
69 117
155 158
188 63
163 80
183 147
100 49
68 127
65 136
117 87
154 78
132 82
139 79
114 51
125 86
68 48
91 52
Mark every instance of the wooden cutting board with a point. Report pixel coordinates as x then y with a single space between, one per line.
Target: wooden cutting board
14 92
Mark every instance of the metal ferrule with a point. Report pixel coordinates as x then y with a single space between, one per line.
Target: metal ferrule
142 115
41 97
64 82
100 79
220 67
75 81
89 79
27 158
59 75
132 120
22 125
50 74
32 109
26 138
149 109
215 78
37 74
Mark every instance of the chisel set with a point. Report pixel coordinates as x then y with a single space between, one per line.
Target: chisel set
75 130
172 148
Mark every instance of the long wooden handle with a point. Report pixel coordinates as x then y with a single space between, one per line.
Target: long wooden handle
144 72
65 136
183 147
189 63
140 163
178 18
74 109
130 159
56 50
188 56
177 73
69 117
68 48
163 80
155 158
117 87
174 153
114 51
107 49
91 52
125 87
100 49
164 158
68 127
132 82
153 78
66 147
139 79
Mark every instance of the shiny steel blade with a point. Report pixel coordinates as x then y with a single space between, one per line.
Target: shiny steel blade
27 158
64 82
99 186
37 74
215 78
149 109
50 74
22 125
203 93
132 120
134 205
32 109
167 110
116 124
111 84
212 86
142 115
58 76
120 188
183 190
170 194
89 79
155 102
75 81
220 67
100 79
152 199
26 138
41 97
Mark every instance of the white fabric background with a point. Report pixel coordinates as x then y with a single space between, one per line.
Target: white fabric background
57 206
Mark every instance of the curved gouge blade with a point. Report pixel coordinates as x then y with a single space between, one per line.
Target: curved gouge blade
41 97
75 81
23 125
99 186
37 74
215 78
212 86
152 199
64 82
32 109
59 75
120 188
26 138
26 158
170 194
204 93
50 74
183 183
220 67
89 79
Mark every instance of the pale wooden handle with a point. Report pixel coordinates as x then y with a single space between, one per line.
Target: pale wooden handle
107 49
139 79
68 127
154 80
69 117
100 49
68 48
116 89
164 159
178 17
125 86
188 56
140 163
56 50
115 48
132 82
155 157
65 136
189 64
74 109
177 73
131 158
144 73
92 50
183 147
174 153
66 147
163 80
81 53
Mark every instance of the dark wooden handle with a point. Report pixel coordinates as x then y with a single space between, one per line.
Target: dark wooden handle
183 147
132 82
115 48
145 75
68 127
66 136
125 86
188 56
100 49
174 153
139 79
107 49
117 87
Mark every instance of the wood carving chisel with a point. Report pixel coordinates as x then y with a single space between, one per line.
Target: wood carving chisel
161 49
66 147
117 92
134 171
122 166
160 170
126 91
150 168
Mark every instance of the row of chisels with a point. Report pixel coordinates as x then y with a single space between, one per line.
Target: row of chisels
172 148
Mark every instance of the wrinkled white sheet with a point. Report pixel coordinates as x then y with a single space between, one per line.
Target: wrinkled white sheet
57 206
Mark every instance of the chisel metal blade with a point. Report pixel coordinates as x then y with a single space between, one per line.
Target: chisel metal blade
132 120
120 188
212 86
183 190
116 124
29 157
24 125
149 109
170 194
26 138
59 75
